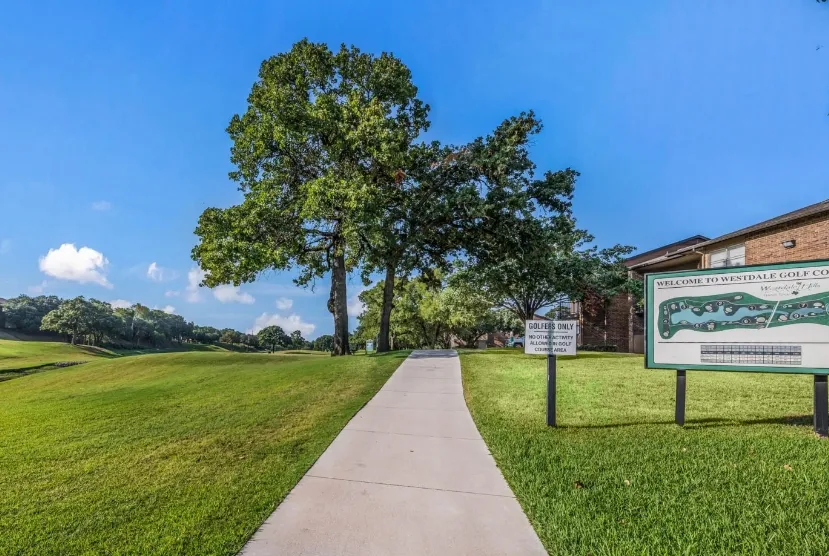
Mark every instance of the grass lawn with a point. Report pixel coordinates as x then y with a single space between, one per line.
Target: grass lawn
177 453
745 475
29 355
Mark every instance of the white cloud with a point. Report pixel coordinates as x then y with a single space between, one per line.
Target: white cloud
169 309
121 304
287 323
284 303
232 294
194 278
101 205
355 306
172 293
79 265
160 274
5 246
38 289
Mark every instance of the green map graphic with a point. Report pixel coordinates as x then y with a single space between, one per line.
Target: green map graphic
715 313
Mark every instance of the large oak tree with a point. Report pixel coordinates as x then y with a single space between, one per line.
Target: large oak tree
325 133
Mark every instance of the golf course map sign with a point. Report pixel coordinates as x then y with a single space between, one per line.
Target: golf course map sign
770 318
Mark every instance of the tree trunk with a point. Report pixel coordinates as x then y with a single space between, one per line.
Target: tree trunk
383 344
337 303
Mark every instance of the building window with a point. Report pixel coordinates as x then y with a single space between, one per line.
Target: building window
730 256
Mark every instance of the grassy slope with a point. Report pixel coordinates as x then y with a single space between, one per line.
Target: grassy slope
27 355
746 474
182 453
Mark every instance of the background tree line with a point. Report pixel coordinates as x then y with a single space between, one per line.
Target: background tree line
94 322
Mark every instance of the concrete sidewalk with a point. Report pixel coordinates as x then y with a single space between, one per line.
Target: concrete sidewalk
409 475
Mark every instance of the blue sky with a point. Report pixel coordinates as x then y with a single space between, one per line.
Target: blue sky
683 118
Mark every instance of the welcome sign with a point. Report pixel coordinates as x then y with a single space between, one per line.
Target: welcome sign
771 318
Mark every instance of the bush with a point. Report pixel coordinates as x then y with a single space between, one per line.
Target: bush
598 347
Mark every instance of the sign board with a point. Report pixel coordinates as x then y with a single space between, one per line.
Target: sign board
369 346
550 337
768 318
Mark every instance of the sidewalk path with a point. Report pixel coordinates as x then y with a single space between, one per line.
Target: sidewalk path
409 475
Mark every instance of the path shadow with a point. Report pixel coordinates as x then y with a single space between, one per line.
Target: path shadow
433 354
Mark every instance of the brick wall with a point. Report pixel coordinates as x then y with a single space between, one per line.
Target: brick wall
618 321
811 238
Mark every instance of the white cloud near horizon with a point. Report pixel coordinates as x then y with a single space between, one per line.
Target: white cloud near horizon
101 205
355 306
287 323
160 274
284 303
82 265
121 304
226 293
194 278
231 294
169 309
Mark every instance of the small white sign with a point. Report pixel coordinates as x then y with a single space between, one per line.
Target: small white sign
550 337
369 346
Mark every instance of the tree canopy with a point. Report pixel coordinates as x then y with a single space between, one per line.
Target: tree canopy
273 338
324 133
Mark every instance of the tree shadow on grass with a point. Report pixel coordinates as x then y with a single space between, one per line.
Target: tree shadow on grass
792 420
603 355
391 354
98 351
500 352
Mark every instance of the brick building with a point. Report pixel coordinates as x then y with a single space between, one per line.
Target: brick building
800 235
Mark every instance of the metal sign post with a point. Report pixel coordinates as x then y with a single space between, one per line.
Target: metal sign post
821 418
679 414
551 390
550 337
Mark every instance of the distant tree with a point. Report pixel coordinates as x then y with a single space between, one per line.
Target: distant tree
230 336
273 337
73 318
206 334
25 313
126 323
297 341
102 322
250 340
324 133
323 343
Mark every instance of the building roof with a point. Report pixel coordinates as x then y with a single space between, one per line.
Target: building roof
664 250
811 210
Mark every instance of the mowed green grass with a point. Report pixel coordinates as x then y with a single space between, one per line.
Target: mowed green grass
180 453
27 355
746 475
